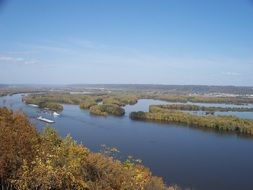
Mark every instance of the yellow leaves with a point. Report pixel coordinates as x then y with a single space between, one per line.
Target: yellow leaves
50 162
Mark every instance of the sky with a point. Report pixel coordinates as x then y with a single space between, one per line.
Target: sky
126 42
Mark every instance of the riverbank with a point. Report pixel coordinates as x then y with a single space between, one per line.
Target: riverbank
221 123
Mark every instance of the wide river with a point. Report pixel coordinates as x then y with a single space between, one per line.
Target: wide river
193 158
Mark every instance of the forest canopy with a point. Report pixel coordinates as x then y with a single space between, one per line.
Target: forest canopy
32 160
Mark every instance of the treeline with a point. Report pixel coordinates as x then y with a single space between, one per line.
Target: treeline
37 161
222 123
199 89
11 91
170 97
191 107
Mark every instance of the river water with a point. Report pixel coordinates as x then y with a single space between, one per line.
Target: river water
189 157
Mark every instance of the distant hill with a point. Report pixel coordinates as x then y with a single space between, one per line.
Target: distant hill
200 89
185 89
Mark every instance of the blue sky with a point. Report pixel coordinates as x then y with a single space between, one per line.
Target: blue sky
128 41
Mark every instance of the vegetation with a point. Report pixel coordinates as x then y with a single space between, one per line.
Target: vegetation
87 104
129 94
131 98
44 104
107 109
29 160
56 97
51 106
179 89
121 100
111 102
11 91
190 107
53 101
170 97
222 123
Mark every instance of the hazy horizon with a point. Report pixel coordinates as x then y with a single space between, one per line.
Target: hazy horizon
126 42
118 84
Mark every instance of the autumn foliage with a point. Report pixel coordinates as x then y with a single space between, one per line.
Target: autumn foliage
29 160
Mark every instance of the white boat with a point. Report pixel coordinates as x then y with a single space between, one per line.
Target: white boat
33 105
55 114
45 119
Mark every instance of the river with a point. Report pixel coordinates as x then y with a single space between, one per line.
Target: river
189 157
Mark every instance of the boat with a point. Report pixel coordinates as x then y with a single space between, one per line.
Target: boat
33 105
45 119
55 114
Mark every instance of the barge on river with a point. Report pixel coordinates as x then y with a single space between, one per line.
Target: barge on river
45 119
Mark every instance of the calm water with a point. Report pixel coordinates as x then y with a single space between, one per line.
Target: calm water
189 157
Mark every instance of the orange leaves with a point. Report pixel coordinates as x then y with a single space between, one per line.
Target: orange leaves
46 161
17 138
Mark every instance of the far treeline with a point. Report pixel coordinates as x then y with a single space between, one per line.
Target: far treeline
221 123
170 97
13 91
191 107
38 161
179 89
